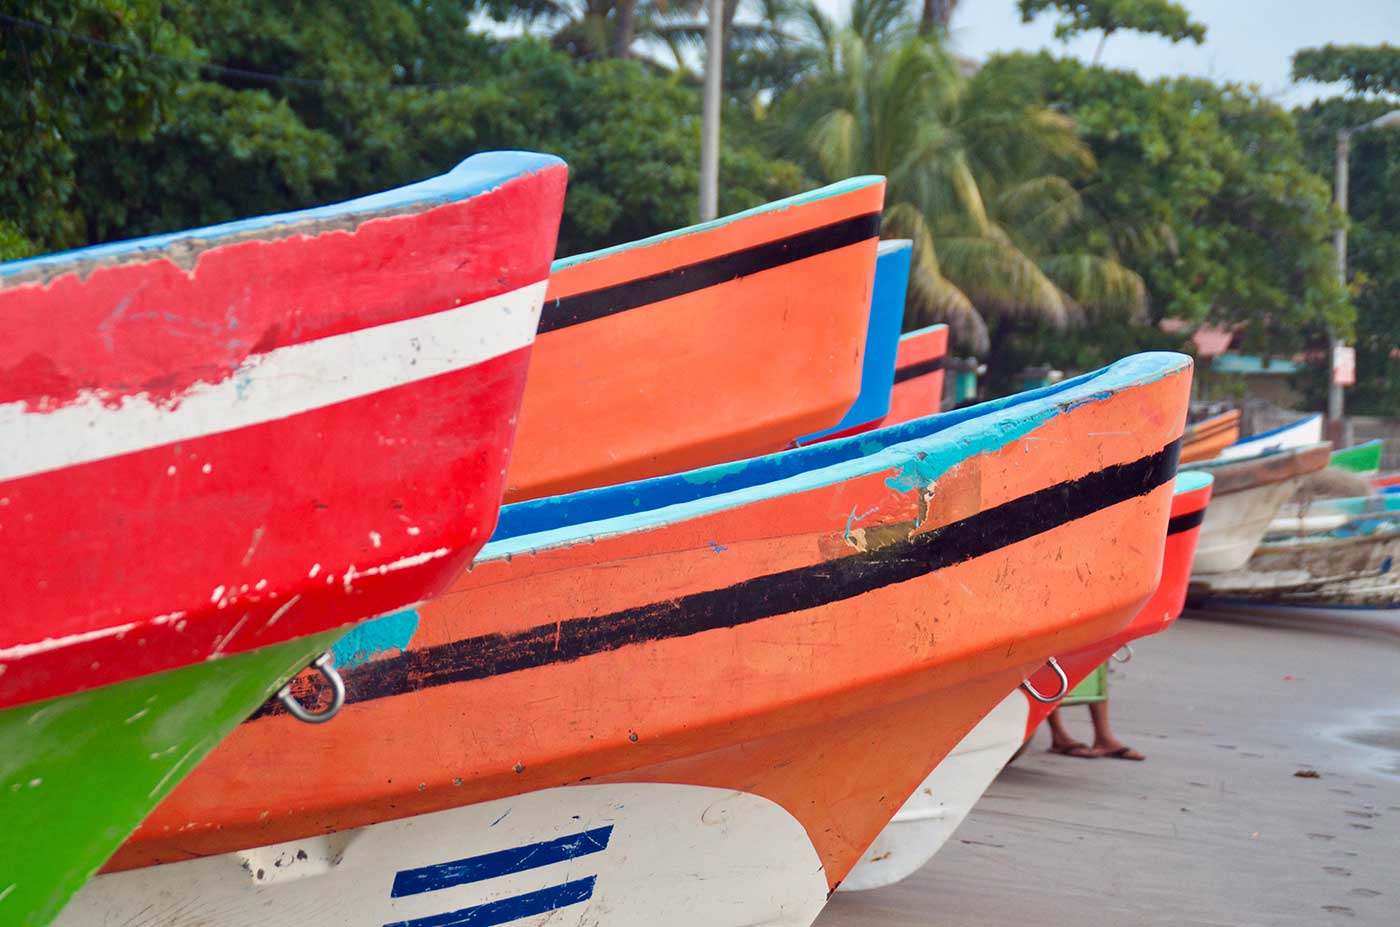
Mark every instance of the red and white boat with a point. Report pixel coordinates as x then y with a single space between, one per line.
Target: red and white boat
220 446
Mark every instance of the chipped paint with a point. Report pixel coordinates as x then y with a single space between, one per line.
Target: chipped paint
376 638
52 643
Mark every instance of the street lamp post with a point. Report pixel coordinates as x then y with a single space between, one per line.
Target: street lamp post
709 117
1335 399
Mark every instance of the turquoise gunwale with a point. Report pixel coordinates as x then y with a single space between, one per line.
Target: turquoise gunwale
922 450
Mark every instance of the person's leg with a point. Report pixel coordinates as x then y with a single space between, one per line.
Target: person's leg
1105 744
1061 742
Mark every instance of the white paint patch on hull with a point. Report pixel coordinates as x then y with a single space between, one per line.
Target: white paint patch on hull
279 383
1235 524
635 855
943 800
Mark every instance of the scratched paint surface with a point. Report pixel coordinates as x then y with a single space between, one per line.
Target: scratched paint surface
831 595
259 430
78 773
1189 500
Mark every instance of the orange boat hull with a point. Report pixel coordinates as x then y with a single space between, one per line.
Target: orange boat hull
1206 439
715 343
1183 531
819 645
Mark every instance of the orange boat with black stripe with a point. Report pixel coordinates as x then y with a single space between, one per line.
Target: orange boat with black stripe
713 343
695 698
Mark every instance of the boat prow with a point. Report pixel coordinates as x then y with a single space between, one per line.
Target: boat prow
928 818
624 662
222 445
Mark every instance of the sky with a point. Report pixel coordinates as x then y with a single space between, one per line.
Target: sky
1247 41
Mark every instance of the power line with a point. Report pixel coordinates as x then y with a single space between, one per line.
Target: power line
245 73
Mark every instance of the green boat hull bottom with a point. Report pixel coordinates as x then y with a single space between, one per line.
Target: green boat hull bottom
78 773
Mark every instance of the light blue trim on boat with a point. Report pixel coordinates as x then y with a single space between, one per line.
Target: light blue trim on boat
472 177
917 452
881 339
920 331
1190 481
811 196
1378 504
1273 432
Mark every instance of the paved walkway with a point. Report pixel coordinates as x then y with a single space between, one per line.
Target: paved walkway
1216 827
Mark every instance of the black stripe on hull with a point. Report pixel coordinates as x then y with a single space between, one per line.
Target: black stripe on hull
763 596
597 304
1186 522
917 370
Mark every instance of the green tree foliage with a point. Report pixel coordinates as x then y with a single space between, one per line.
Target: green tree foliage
1373 252
1076 17
1205 190
66 101
1368 69
257 106
976 178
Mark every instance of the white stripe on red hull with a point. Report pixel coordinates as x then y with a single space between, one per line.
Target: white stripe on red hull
285 381
220 525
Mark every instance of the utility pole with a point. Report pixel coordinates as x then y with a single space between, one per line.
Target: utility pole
709 125
1336 401
1339 427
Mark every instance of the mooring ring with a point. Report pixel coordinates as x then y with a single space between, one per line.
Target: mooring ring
1064 685
325 665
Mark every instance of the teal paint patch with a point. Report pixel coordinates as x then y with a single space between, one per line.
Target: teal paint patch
913 454
713 474
922 469
375 638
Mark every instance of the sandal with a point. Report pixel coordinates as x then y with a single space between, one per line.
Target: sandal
1082 751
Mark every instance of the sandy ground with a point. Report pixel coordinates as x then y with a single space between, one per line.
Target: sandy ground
1215 827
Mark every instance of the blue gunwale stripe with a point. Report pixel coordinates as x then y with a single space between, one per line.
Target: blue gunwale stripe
509 909
499 863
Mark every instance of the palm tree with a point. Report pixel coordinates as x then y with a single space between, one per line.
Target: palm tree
980 186
935 15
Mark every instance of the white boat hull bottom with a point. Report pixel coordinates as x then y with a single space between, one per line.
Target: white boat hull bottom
1357 572
633 855
943 800
1235 524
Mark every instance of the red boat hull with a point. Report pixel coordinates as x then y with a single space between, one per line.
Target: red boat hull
235 436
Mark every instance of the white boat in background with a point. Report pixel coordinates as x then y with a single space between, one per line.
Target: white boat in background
1324 515
1301 433
1248 495
929 817
1356 566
